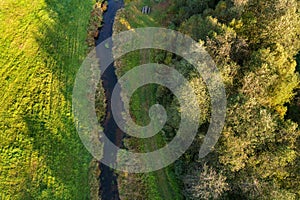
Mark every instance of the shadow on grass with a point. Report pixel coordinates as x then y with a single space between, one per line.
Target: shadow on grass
63 41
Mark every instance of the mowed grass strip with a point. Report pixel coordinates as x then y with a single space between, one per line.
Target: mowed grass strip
42 44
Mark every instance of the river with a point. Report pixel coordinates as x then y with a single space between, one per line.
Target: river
108 178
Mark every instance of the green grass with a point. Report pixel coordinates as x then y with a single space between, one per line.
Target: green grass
160 184
42 45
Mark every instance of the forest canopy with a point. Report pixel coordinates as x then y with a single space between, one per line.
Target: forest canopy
254 44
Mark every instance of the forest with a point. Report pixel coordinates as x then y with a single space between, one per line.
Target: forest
255 45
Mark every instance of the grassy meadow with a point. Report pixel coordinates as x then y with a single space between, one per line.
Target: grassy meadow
42 45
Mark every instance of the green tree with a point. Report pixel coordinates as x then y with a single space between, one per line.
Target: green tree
272 79
270 22
258 149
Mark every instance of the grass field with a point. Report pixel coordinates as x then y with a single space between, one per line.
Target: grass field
42 45
161 184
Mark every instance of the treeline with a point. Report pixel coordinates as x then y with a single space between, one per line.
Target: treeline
254 44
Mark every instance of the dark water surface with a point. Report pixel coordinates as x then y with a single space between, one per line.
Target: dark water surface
108 178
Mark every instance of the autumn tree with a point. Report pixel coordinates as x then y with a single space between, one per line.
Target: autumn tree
203 182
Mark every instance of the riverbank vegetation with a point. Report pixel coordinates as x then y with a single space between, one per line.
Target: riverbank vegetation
254 44
161 184
42 45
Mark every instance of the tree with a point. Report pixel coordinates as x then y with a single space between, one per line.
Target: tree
200 28
269 22
272 79
205 183
257 149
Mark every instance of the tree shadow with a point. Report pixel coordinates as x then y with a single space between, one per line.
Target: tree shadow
60 150
62 40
